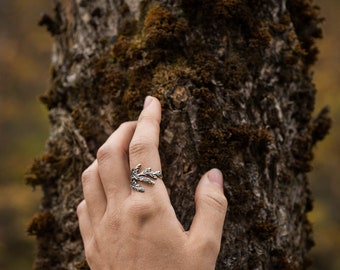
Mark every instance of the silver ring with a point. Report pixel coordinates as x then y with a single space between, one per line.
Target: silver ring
146 176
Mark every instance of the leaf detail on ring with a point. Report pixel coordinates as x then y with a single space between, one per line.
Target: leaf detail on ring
143 176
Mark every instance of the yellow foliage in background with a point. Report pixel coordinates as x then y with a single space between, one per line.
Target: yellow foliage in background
24 70
325 178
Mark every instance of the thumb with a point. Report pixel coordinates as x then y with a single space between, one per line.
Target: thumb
211 207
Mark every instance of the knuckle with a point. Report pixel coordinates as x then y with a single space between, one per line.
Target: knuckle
151 120
211 245
81 207
113 220
90 250
114 224
140 146
104 153
86 177
217 201
207 243
108 151
141 208
125 125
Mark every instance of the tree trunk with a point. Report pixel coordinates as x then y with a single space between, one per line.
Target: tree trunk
234 80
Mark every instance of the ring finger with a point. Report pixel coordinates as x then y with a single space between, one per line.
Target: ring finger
144 148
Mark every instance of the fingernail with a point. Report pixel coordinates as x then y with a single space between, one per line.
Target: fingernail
215 176
147 101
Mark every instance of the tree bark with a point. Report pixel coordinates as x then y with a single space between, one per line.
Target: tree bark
234 80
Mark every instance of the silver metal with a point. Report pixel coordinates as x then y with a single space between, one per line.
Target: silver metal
146 176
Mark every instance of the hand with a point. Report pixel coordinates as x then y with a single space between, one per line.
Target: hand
125 229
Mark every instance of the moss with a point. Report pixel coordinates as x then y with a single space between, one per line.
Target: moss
129 69
41 170
217 11
236 70
85 123
238 200
261 37
306 20
321 125
233 138
302 153
205 66
42 224
124 9
120 51
247 135
128 27
280 260
171 83
282 25
203 96
111 80
139 87
53 25
162 37
264 230
82 265
199 56
162 30
304 99
52 98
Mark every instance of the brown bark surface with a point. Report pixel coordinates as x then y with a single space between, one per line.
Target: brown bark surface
234 80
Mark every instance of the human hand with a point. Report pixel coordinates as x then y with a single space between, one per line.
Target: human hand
125 229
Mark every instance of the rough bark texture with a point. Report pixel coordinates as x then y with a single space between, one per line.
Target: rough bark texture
234 81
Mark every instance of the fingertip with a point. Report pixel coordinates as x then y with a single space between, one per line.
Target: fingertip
151 102
211 186
152 111
147 101
215 176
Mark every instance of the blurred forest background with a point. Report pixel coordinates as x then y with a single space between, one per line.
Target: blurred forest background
25 51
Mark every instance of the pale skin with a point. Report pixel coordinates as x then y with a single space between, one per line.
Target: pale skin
125 229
